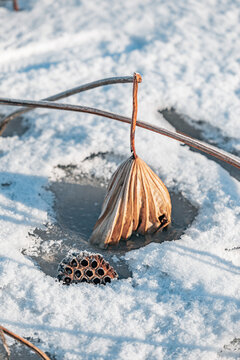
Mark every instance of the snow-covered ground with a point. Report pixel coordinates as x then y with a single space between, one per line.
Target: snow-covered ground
183 301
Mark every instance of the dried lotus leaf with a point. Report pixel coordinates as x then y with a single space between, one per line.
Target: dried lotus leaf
136 201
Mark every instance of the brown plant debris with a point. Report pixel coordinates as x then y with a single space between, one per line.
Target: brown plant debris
30 104
15 5
5 345
136 199
85 267
23 341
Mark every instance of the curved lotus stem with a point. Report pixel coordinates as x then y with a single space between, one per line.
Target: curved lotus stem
137 79
5 345
66 93
197 144
25 342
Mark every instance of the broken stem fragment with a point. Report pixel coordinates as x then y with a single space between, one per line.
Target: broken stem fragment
25 342
5 345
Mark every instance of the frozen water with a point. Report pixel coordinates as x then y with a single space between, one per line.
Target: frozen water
206 132
77 206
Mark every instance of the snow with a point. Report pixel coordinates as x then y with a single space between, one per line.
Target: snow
183 300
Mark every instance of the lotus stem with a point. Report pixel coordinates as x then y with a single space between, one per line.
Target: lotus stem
137 79
66 93
25 342
5 345
197 144
15 5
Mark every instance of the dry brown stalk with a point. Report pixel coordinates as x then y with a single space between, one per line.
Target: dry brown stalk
136 199
67 93
197 144
15 5
25 342
5 345
137 79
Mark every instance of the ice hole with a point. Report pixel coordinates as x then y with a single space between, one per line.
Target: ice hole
77 205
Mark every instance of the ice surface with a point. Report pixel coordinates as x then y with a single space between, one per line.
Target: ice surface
183 300
77 204
205 132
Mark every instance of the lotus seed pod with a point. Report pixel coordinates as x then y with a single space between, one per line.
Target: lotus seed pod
85 267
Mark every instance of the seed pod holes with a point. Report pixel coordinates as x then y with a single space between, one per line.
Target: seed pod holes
85 267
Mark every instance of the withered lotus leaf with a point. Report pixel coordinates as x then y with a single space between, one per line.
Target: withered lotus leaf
136 201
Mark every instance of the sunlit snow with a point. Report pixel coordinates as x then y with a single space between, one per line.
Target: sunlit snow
183 299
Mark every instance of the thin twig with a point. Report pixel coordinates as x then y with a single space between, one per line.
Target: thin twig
25 342
200 145
5 345
137 79
234 248
66 93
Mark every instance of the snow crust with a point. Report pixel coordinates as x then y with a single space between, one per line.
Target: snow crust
183 301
